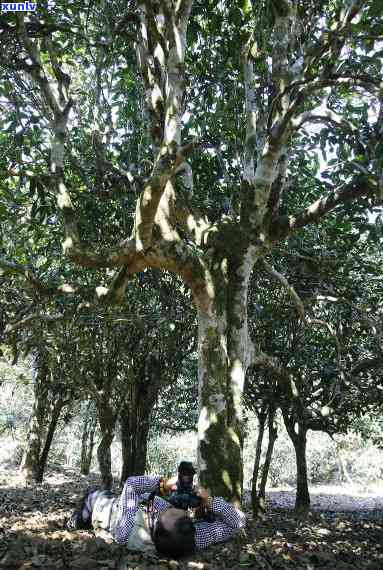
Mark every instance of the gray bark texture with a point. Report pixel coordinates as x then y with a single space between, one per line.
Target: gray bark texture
218 266
29 467
87 440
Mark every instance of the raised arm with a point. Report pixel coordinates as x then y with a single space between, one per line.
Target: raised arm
129 503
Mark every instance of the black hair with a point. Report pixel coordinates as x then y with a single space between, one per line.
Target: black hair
174 535
186 467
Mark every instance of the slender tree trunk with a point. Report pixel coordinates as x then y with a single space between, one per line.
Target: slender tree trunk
302 500
87 440
257 460
342 465
297 433
125 443
142 448
104 455
273 434
48 440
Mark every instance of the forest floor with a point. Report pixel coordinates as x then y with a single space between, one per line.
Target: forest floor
343 531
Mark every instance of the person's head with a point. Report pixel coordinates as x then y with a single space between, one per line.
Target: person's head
174 534
186 474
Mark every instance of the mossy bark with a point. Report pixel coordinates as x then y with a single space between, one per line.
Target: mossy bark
30 463
223 361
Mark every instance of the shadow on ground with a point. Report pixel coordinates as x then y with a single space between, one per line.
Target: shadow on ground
32 535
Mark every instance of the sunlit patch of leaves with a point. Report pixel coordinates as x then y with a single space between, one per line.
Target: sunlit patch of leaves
33 536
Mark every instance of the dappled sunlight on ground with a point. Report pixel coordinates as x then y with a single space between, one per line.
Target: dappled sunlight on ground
32 533
332 498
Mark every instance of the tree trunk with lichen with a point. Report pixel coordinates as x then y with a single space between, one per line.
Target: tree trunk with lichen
223 360
29 467
283 83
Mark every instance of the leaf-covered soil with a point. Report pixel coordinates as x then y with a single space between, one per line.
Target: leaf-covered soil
342 532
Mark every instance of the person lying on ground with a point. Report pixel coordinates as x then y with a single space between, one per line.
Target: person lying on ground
161 527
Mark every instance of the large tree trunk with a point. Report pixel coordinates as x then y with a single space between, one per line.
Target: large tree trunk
87 440
29 467
134 423
257 460
134 439
223 342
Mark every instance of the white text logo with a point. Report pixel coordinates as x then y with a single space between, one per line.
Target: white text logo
18 6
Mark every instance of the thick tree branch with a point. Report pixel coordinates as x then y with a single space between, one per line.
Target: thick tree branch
289 288
36 69
305 76
176 257
324 116
183 9
165 167
270 143
60 110
26 321
366 365
252 113
331 41
45 290
360 186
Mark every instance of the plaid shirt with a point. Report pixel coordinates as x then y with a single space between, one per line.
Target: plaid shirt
207 533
